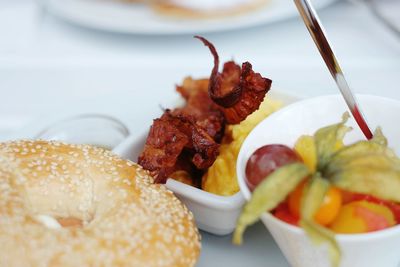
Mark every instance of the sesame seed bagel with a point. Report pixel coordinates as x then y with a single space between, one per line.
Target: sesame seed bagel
77 205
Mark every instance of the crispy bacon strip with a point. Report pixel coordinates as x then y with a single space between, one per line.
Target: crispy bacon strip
168 138
238 91
186 140
163 146
203 111
203 146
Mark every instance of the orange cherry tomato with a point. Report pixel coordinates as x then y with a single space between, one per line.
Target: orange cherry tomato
328 210
294 200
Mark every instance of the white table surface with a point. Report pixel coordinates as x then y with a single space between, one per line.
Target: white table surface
50 67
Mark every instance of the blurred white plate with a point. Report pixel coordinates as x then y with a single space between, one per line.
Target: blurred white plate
111 15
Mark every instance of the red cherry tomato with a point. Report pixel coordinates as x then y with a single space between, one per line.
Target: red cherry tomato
362 216
267 159
394 207
282 212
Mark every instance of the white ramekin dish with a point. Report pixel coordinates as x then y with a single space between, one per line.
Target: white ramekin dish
381 248
214 214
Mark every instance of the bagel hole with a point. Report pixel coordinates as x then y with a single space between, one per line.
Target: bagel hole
58 222
70 222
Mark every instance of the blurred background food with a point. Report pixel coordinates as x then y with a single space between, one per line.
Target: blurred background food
195 9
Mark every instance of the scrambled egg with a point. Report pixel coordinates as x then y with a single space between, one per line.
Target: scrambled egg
221 178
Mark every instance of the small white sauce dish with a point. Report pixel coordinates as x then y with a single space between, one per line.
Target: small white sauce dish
381 248
93 129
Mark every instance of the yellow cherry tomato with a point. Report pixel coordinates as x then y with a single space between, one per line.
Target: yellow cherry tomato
327 212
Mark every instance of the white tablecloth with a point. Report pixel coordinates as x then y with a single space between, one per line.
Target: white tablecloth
46 63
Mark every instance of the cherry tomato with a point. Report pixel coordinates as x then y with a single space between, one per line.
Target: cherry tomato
267 159
294 199
328 210
282 212
394 207
361 217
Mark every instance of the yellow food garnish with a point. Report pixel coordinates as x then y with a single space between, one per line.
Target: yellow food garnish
221 178
183 177
305 147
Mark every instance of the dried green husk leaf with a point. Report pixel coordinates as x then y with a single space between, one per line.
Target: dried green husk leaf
362 153
321 235
268 194
379 137
313 197
373 161
367 167
327 139
383 183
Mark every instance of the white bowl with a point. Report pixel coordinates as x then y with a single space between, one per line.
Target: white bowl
214 214
381 248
